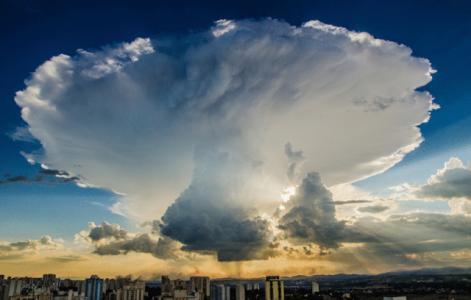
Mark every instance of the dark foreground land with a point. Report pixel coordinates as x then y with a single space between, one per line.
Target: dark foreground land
448 284
413 286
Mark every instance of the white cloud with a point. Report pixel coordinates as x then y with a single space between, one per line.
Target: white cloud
451 181
130 117
451 164
222 27
111 239
99 64
28 247
460 206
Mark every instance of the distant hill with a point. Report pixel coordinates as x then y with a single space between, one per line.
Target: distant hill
414 272
432 271
343 277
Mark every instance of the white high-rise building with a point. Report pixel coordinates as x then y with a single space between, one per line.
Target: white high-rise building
315 287
15 287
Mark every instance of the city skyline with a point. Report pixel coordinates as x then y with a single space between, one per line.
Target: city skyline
425 284
234 140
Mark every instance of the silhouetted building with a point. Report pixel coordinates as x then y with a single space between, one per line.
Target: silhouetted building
200 284
219 292
49 280
239 292
274 288
166 286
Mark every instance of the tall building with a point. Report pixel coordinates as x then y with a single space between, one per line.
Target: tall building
15 286
94 288
197 288
134 291
67 295
179 284
49 280
219 292
3 292
167 286
200 284
239 292
227 290
315 287
274 288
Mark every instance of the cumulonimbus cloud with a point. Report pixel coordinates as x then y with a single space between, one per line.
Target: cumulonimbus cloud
129 117
214 213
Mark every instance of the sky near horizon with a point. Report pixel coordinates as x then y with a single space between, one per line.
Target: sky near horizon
233 139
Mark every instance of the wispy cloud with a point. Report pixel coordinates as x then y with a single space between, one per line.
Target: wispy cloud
48 176
373 209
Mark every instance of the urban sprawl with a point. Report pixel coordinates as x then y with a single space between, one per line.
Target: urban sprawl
51 287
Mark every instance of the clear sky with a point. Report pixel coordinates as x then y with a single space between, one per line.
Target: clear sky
182 137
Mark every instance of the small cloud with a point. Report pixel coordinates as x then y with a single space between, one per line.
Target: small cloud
222 27
295 158
111 60
451 181
14 179
22 134
22 248
348 202
111 239
373 209
66 258
107 231
12 257
43 175
163 248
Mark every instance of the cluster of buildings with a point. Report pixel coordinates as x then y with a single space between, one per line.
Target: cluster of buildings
233 291
201 288
196 288
49 287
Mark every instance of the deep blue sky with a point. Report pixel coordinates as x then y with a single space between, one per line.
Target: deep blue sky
33 31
